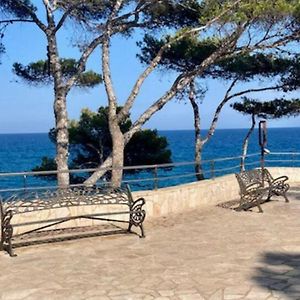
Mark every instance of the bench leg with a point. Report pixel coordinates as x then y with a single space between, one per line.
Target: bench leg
10 249
142 231
259 201
137 225
269 196
137 218
246 204
129 227
259 207
2 240
7 233
286 198
280 194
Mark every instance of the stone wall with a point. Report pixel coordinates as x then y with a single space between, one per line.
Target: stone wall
187 196
165 201
198 194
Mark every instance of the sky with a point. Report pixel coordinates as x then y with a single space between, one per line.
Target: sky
29 109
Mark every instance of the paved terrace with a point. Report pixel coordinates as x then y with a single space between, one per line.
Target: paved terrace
211 253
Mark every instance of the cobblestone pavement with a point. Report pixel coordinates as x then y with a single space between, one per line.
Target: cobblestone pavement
212 253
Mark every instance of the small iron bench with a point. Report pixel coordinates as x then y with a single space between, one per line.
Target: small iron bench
255 184
27 202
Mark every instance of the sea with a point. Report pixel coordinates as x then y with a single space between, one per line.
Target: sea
22 152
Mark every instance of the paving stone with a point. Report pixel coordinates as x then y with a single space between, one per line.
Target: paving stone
166 293
218 295
191 297
236 292
258 294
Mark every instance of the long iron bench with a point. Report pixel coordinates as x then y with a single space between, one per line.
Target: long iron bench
256 184
25 203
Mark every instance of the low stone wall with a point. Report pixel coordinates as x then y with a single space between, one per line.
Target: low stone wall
198 194
187 196
292 173
164 201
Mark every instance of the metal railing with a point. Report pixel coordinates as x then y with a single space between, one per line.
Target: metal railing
152 176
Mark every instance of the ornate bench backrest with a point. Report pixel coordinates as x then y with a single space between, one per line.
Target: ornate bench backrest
247 178
25 201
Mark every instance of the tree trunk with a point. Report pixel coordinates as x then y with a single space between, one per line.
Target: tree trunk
114 161
99 172
198 159
118 146
60 112
246 143
197 126
62 139
114 126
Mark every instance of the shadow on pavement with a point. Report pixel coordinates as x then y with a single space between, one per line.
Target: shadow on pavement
294 192
280 273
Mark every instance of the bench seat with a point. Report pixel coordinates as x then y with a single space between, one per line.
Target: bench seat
42 210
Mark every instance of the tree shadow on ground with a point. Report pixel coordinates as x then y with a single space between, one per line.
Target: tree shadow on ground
280 273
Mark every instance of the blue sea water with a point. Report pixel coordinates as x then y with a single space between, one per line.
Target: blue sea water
22 152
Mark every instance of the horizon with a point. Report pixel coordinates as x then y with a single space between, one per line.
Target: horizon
160 130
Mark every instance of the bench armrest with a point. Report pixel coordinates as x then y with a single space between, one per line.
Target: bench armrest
138 214
281 178
138 203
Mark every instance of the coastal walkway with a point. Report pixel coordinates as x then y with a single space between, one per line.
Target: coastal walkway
209 253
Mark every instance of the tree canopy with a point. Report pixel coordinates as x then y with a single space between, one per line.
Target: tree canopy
274 109
39 73
190 52
90 143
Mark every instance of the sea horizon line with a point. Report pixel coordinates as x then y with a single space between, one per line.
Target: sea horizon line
159 130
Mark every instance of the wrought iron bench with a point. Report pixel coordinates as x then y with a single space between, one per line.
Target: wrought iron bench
24 203
255 184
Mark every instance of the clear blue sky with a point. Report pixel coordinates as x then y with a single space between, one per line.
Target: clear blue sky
29 109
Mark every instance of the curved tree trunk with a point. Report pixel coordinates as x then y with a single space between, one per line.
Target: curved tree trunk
246 143
197 126
113 162
99 172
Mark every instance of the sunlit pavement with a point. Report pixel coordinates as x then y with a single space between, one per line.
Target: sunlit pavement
211 253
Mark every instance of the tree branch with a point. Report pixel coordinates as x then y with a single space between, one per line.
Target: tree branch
83 59
34 17
227 98
155 61
183 80
141 5
213 125
88 51
15 20
64 17
107 78
50 17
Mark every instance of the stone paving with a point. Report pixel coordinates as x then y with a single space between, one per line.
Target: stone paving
212 253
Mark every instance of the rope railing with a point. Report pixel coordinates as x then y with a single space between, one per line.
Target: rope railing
159 175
